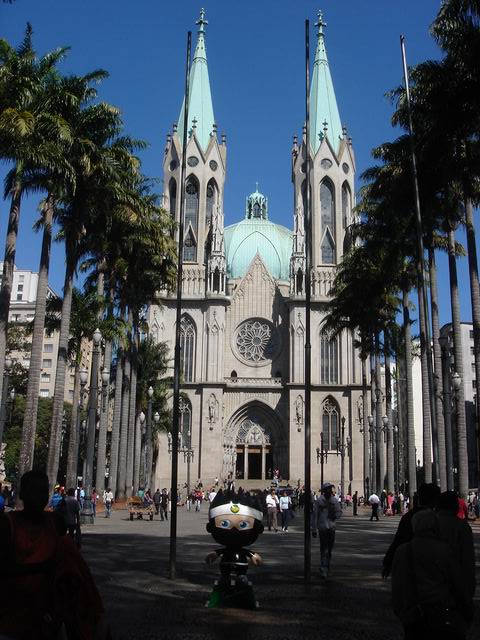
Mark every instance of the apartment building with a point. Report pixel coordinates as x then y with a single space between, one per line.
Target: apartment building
22 311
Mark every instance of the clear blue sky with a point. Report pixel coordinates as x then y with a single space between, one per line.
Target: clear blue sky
255 56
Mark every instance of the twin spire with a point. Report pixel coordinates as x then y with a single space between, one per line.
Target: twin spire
324 114
200 107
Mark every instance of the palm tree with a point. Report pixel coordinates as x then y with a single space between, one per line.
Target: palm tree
83 323
152 361
26 127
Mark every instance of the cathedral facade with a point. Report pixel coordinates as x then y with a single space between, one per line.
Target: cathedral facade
243 309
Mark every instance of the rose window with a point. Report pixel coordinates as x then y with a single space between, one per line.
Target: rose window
256 341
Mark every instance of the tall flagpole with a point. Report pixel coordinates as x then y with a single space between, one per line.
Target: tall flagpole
422 290
308 291
176 368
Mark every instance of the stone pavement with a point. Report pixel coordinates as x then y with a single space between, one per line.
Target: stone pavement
130 563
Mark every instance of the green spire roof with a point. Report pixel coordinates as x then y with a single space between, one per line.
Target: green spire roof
324 115
200 109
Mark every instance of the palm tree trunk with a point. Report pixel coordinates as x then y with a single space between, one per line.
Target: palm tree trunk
148 450
427 433
31 405
462 455
378 418
138 454
60 376
74 438
103 427
475 297
366 448
7 277
389 413
401 438
132 414
441 463
122 454
117 416
373 452
411 457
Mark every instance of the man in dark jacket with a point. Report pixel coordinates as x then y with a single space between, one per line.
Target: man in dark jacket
428 496
157 498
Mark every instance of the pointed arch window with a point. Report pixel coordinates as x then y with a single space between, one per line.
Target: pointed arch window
328 359
330 421
185 426
211 200
328 248
191 213
346 205
188 336
327 217
190 247
257 211
172 192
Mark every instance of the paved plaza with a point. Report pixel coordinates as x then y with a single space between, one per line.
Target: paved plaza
130 563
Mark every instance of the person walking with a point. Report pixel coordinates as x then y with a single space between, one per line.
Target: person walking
273 506
72 517
374 502
285 503
164 505
326 511
428 590
108 502
458 535
355 503
94 498
428 496
157 497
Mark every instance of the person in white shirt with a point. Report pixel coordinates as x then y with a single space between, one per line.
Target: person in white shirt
108 501
272 508
374 501
211 495
327 510
285 504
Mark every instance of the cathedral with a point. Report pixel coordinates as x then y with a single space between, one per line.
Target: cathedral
243 309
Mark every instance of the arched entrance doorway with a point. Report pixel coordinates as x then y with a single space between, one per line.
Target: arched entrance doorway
254 455
254 444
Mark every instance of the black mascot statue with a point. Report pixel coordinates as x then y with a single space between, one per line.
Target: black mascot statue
235 521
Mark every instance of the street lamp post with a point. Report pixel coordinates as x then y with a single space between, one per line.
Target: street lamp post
342 447
148 439
5 390
156 419
102 432
456 383
447 411
140 451
322 456
373 464
396 460
188 454
388 433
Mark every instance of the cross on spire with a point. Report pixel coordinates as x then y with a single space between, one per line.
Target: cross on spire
201 21
320 23
256 187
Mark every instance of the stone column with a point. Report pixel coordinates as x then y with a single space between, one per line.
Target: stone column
245 462
264 461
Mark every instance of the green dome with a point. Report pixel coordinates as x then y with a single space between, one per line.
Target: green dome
258 235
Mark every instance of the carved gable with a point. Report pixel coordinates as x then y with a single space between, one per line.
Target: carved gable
257 295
